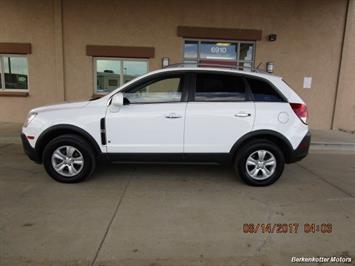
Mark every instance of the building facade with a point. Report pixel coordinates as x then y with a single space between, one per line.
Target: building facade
59 50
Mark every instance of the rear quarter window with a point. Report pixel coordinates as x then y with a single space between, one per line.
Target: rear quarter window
263 91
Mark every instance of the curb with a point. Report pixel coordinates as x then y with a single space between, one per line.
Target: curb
323 146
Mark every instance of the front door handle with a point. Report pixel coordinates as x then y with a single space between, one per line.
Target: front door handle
173 116
242 114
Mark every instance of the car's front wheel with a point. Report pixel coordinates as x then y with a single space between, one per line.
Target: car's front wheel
68 159
259 163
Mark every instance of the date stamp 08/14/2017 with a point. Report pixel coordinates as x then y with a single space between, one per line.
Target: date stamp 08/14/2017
287 228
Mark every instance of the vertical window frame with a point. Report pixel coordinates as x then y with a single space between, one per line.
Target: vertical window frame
121 61
2 73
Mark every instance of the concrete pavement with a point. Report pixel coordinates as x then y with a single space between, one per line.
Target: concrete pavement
157 215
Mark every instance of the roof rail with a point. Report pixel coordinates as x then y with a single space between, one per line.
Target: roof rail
229 66
195 64
181 65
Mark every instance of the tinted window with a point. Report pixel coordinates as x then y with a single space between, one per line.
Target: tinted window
133 68
112 73
168 89
263 91
217 87
108 75
15 72
190 50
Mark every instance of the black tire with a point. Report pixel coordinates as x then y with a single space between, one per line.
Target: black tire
240 164
78 143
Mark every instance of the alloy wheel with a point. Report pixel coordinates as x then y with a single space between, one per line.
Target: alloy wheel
261 165
67 161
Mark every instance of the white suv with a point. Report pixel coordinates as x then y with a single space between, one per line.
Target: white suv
252 121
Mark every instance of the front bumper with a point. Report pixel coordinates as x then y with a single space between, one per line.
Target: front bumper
31 152
302 150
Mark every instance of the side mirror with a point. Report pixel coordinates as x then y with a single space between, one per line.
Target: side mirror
117 100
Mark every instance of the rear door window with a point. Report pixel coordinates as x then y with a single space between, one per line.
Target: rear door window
263 91
212 87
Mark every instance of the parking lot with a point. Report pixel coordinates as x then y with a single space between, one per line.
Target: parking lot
173 214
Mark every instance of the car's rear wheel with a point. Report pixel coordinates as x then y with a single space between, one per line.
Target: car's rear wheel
68 159
259 163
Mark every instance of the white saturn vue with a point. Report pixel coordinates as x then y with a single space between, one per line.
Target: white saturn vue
252 121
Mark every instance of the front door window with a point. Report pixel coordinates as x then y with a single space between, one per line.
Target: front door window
162 90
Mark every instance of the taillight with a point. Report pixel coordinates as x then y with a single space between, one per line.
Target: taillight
300 110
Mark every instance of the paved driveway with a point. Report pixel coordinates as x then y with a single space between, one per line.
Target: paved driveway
172 215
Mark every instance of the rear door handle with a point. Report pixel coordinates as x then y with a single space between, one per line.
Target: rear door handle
173 116
242 114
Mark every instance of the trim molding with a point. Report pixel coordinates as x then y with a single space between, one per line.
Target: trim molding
120 51
285 144
15 48
56 130
14 93
219 33
170 157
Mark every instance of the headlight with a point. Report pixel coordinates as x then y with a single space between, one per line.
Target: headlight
30 117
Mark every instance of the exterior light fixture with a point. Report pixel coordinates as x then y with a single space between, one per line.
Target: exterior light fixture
223 44
269 67
272 37
165 61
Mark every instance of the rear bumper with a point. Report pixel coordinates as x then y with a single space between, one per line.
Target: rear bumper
302 150
31 152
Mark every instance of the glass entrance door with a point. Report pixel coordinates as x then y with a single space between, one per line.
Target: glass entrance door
240 54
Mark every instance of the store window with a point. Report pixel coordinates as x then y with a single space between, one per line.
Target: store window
13 72
111 73
240 54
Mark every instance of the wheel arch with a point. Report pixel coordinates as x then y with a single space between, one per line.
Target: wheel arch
54 131
281 141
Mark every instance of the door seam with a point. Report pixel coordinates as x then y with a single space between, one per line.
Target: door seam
184 131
